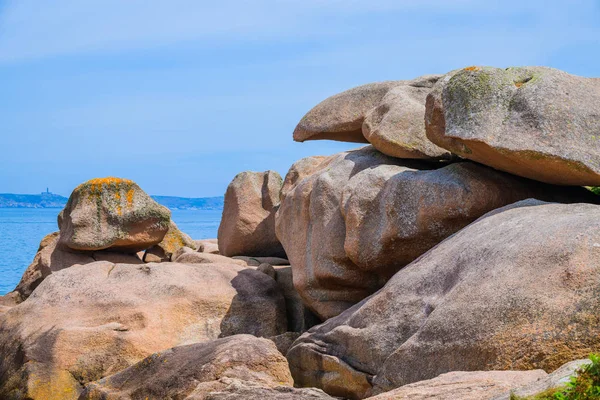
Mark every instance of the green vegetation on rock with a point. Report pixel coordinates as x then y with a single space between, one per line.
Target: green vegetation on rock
584 385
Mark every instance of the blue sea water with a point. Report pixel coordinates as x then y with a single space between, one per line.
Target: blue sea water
21 230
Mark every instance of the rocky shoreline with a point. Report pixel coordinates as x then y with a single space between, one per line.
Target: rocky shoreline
454 257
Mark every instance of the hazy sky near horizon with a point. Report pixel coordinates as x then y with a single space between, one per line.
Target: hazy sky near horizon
180 95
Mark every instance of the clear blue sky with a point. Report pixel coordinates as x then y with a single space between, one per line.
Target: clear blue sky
182 95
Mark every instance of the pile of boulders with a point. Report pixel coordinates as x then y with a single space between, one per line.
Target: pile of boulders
455 257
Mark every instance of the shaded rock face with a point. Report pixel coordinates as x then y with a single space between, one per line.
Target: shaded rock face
112 213
90 321
248 224
196 370
389 115
174 240
479 385
536 122
524 296
362 216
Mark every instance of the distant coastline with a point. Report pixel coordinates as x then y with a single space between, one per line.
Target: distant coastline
51 200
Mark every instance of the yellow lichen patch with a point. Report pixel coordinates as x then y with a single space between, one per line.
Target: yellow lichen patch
129 197
473 68
59 385
518 84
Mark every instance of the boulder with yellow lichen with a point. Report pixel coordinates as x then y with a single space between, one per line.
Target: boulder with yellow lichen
112 213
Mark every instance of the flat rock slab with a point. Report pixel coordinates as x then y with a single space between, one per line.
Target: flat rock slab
479 385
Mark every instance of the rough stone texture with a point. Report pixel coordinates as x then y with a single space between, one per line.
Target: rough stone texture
208 246
193 257
479 385
248 224
389 115
53 257
536 122
196 370
285 341
112 213
300 170
256 261
90 321
558 378
524 296
173 241
300 318
243 390
349 226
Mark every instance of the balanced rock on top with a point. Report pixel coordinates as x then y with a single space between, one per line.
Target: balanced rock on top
389 115
112 213
536 122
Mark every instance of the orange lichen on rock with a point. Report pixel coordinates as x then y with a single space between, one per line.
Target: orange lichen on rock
129 197
473 68
518 84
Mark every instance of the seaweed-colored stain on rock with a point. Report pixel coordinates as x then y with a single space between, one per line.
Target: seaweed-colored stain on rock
112 213
526 295
389 115
358 217
535 122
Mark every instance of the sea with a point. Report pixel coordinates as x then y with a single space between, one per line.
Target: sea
21 230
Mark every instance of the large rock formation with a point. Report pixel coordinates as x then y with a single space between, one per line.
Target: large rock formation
112 213
248 224
90 321
361 216
517 289
389 115
536 122
196 370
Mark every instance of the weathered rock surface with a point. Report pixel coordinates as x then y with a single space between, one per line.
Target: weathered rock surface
208 246
90 321
536 122
558 378
479 385
248 224
53 257
194 257
112 213
196 370
524 296
389 115
352 224
256 261
300 318
174 240
238 390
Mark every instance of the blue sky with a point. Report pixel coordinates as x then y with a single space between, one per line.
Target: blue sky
180 95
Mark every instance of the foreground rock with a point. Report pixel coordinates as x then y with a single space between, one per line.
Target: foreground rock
361 216
556 379
174 240
536 122
529 281
90 321
389 115
112 213
197 370
52 257
248 224
238 390
464 386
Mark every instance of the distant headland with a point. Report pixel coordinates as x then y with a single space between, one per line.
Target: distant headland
48 199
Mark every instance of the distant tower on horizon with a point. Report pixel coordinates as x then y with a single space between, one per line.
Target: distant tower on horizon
48 190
